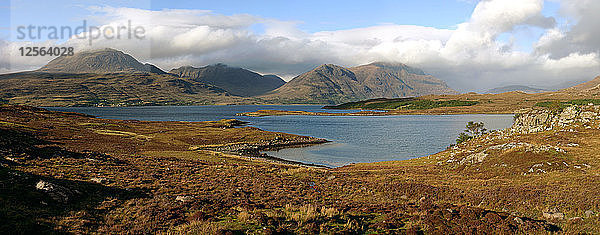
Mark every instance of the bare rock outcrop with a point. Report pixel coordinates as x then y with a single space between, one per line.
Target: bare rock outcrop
536 120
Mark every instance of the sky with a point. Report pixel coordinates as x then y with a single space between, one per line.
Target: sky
472 45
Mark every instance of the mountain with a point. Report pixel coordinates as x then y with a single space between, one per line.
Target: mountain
525 89
392 80
330 84
98 62
237 81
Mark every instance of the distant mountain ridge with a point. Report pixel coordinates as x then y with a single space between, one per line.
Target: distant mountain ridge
237 81
99 62
331 83
111 77
521 88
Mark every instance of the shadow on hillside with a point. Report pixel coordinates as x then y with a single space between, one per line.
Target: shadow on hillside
25 209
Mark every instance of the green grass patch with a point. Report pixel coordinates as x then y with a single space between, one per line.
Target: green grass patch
560 105
402 103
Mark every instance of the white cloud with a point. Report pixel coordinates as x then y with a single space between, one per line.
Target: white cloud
469 57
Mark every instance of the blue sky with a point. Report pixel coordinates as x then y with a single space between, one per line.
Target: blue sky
321 15
315 15
311 15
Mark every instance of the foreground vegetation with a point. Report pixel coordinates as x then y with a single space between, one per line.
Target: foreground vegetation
64 172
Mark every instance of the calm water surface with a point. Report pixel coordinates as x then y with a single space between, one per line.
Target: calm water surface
354 139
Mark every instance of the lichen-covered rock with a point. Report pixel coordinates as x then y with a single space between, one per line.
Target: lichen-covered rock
533 121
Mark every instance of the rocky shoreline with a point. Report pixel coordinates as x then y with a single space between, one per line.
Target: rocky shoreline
253 151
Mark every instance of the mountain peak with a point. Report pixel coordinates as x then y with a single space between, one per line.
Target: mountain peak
328 67
395 66
99 61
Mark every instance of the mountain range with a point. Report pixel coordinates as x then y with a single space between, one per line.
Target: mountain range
111 77
237 81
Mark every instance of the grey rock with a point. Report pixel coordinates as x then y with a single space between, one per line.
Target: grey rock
589 213
99 180
574 219
56 192
518 220
553 215
184 198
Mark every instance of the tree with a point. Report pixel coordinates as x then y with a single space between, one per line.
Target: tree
473 129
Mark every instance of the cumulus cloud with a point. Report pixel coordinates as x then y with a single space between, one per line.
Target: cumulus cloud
469 57
580 37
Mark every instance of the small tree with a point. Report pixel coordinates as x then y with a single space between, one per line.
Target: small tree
473 129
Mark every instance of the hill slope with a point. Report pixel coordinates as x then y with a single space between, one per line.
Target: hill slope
237 81
99 62
593 85
115 89
335 84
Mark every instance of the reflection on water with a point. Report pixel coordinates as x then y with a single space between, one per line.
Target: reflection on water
355 138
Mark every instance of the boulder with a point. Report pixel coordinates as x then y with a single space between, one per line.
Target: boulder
589 213
553 215
99 180
56 192
184 198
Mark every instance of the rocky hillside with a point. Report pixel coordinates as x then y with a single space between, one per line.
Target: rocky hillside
335 84
237 81
98 62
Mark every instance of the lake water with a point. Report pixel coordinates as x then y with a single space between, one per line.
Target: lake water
354 138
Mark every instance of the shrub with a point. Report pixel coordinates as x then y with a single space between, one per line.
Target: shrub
244 217
473 129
